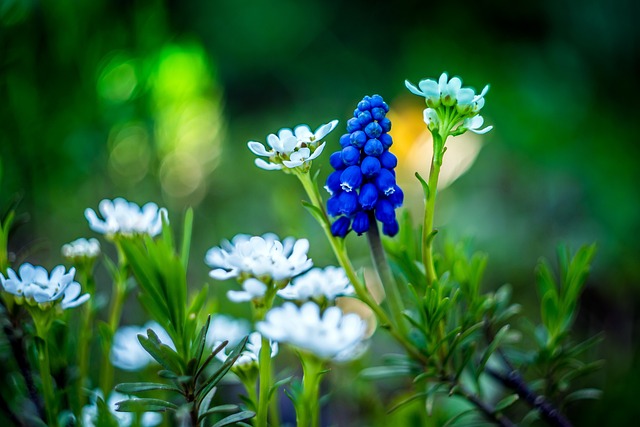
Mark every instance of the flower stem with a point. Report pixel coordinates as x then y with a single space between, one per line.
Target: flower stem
428 232
308 413
386 276
264 368
115 312
42 323
84 344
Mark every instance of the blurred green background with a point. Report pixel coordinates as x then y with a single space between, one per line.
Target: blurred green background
155 101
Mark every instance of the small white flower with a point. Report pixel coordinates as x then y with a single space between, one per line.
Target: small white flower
81 248
475 123
328 283
251 352
291 149
431 118
127 218
127 353
34 285
330 335
226 328
89 414
260 257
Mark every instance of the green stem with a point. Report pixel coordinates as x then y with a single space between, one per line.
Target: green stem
427 228
386 276
115 312
340 251
42 324
264 367
84 344
308 413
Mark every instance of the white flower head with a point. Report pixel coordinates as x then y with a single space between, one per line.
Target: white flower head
127 218
34 285
127 353
89 414
431 118
81 248
291 148
475 123
318 284
328 335
251 352
263 257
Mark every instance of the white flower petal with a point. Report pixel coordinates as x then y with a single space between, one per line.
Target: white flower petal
258 149
267 166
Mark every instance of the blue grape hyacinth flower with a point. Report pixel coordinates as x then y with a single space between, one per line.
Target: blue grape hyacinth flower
363 186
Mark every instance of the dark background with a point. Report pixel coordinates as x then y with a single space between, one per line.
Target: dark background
155 101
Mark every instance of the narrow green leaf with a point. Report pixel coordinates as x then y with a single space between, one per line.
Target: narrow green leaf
197 348
222 371
585 393
186 238
133 388
381 372
493 346
145 405
459 416
279 384
217 409
425 186
506 402
163 354
406 401
232 419
315 212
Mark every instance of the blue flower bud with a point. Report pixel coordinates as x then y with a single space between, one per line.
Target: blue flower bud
333 205
333 182
361 223
351 178
370 166
390 228
364 118
353 125
376 101
386 140
345 140
335 160
368 196
373 147
373 130
378 113
385 181
350 155
340 227
384 211
348 203
385 124
396 197
364 105
385 106
358 139
388 160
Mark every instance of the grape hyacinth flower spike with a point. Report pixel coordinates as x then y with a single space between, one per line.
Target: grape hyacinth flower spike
363 186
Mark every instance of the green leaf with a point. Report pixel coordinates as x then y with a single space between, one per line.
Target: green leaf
222 371
145 405
186 238
406 401
197 348
506 402
104 416
493 346
232 419
277 385
585 393
315 212
133 388
216 410
163 354
381 372
425 186
459 416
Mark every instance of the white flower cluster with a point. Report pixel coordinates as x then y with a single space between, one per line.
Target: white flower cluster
257 260
127 353
127 218
81 248
291 148
34 285
448 100
318 284
331 335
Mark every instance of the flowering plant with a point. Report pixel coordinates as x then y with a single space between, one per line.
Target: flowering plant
454 339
